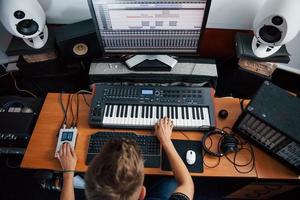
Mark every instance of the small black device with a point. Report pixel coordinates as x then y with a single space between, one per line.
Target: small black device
223 114
271 120
18 116
228 143
190 108
149 145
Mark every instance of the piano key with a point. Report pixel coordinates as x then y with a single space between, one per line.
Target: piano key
193 113
180 118
122 111
157 112
128 115
106 110
165 111
111 111
172 112
118 111
168 110
155 118
126 110
190 119
136 111
132 111
161 111
206 121
187 112
139 118
143 111
151 111
197 113
201 114
182 112
176 112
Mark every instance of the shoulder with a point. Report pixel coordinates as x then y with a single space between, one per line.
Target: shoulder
178 196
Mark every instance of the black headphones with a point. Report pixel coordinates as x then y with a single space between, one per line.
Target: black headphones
227 143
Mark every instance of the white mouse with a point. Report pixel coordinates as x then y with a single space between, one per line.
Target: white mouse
190 157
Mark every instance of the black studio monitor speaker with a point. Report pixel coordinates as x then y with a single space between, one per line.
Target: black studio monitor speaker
77 42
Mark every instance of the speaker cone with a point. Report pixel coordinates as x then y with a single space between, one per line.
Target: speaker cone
270 34
27 27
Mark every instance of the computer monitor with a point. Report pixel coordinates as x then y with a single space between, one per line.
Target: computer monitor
152 29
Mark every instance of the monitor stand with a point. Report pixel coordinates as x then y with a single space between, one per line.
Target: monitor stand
151 63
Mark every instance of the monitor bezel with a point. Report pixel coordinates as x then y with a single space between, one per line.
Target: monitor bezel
104 53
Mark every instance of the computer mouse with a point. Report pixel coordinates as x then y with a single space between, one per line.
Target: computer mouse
190 157
223 114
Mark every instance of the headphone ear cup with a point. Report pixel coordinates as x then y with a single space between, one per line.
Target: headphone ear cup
228 144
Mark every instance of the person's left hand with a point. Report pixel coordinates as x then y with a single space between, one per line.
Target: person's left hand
67 157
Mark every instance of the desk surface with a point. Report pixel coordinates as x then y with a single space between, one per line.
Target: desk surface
40 150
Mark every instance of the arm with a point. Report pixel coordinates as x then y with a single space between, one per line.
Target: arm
163 131
68 159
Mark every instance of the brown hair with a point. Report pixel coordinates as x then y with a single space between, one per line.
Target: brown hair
116 172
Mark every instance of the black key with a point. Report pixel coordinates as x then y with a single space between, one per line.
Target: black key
111 111
168 111
187 113
151 112
182 112
193 112
122 111
143 111
176 112
161 111
202 117
136 111
172 112
197 112
157 112
107 110
132 111
118 111
126 110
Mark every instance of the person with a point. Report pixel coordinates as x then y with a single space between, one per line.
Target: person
117 172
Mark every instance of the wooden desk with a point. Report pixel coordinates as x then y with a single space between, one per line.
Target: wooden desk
40 150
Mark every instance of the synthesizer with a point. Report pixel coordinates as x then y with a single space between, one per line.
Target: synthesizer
140 107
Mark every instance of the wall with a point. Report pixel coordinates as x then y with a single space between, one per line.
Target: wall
5 38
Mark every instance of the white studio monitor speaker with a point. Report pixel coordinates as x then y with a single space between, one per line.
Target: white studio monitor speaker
25 19
276 23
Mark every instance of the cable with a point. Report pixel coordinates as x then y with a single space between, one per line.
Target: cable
84 98
234 161
204 154
3 75
65 110
21 90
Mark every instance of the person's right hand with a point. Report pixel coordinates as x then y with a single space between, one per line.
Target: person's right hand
67 157
163 129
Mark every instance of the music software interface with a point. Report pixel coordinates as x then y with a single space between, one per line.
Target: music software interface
146 26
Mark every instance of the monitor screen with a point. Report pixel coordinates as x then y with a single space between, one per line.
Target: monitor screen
146 26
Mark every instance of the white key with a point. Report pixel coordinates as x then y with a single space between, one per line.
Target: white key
206 117
190 120
105 118
121 116
165 111
180 120
185 121
114 115
139 119
153 119
128 119
197 120
201 121
175 120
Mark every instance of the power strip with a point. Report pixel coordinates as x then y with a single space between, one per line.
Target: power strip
66 135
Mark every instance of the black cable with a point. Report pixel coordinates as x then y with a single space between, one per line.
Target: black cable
205 153
65 110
